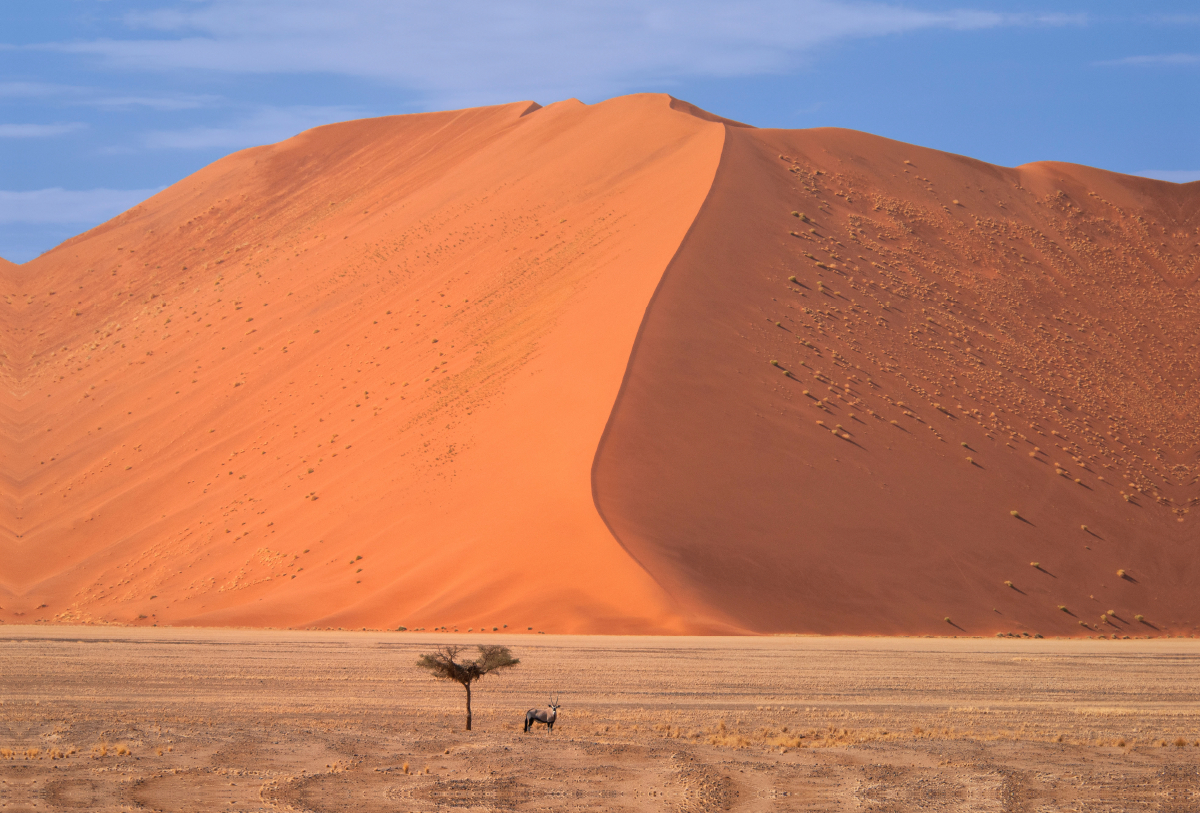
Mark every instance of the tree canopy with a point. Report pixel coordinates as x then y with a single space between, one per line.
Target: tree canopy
444 664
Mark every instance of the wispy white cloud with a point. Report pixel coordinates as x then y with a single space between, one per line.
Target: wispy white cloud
264 126
33 90
1172 175
182 101
97 97
472 52
1176 19
65 206
1155 59
39 130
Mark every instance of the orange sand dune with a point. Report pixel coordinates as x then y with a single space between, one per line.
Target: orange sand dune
354 379
828 419
629 367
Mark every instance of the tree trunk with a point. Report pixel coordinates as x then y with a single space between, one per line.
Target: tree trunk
468 688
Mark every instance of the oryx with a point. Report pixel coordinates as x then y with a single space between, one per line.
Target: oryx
543 716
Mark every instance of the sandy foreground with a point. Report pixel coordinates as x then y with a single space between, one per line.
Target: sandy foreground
205 720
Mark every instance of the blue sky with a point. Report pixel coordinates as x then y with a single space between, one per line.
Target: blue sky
103 102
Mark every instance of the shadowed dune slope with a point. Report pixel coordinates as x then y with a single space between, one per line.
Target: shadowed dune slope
867 355
357 378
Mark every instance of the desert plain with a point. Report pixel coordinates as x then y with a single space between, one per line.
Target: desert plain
107 719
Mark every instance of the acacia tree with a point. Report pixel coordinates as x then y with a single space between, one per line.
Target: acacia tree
444 665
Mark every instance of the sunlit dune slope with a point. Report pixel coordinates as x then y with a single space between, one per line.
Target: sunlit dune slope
357 378
883 389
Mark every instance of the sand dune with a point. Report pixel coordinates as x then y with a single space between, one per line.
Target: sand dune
860 396
395 339
628 367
